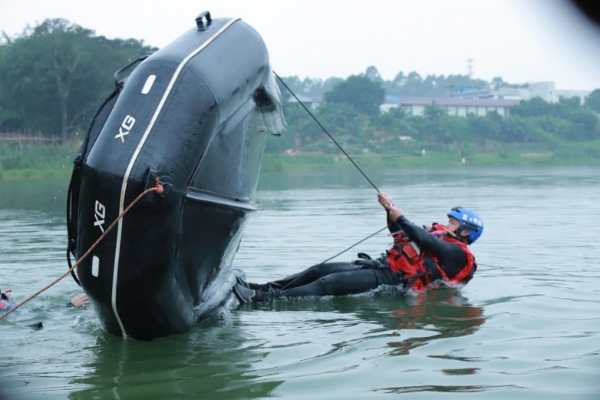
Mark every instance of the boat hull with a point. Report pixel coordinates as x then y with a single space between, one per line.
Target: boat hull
192 116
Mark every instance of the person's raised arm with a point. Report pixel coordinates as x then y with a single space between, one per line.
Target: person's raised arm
448 253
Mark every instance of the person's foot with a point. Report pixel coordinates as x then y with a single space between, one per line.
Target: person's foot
244 294
250 285
240 281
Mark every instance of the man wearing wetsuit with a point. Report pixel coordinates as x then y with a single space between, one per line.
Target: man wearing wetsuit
419 258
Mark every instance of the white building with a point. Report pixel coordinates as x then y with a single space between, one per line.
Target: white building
462 101
310 101
582 94
415 106
545 90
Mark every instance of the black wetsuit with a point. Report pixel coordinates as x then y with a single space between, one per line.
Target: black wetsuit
343 278
335 279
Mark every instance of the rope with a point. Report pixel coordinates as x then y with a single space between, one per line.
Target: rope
158 188
325 130
355 244
330 258
346 154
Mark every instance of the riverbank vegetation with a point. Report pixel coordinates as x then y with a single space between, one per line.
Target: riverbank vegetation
51 83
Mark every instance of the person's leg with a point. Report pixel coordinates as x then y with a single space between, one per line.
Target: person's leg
335 284
307 276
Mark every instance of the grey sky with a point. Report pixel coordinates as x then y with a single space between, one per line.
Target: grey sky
519 40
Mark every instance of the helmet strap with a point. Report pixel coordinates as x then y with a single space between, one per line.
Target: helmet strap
464 239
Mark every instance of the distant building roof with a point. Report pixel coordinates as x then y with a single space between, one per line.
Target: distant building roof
451 101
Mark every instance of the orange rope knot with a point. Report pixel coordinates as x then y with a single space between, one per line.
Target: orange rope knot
159 188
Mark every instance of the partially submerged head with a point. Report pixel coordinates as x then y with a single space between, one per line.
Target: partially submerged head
5 303
465 224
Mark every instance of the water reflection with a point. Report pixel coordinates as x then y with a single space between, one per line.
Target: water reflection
47 195
530 336
212 361
445 312
238 355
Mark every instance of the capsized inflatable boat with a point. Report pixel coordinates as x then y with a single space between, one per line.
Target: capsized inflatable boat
194 115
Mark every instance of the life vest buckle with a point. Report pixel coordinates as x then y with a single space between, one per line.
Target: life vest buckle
410 252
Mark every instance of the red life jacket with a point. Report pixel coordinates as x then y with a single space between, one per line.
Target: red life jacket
422 268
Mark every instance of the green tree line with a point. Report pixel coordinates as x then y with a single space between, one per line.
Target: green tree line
405 85
54 76
350 111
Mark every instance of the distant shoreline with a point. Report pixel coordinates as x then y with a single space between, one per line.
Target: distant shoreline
299 162
318 161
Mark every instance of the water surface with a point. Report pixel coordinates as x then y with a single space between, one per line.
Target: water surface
526 327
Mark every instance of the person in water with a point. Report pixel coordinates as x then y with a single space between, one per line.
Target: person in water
419 258
6 304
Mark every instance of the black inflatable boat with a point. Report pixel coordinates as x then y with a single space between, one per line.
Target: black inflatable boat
194 115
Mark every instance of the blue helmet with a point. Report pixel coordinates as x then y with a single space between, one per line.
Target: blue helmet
469 220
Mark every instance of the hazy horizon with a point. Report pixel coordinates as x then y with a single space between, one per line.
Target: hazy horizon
519 41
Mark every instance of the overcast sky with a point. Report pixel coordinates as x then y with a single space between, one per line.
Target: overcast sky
518 40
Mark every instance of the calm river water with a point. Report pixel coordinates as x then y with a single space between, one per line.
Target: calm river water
526 327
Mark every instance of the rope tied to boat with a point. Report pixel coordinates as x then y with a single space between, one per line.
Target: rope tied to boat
347 156
158 188
326 132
